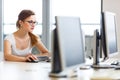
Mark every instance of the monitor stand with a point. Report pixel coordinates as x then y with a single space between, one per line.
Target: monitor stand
103 66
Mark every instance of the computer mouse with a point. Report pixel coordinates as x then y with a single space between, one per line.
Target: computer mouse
117 68
115 63
48 60
33 61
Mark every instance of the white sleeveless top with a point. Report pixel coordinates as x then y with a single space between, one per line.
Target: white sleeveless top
16 51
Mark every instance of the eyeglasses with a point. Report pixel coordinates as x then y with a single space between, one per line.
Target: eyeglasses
32 22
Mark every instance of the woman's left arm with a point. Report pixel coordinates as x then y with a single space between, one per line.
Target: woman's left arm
41 47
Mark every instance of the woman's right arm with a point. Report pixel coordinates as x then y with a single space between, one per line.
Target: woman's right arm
8 53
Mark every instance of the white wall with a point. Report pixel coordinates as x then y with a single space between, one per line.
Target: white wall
113 6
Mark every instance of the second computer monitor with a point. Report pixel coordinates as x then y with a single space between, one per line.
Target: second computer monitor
110 33
68 50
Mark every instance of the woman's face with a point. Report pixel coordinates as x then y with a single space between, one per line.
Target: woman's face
29 23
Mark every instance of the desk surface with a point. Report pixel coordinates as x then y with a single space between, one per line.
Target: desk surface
40 71
24 71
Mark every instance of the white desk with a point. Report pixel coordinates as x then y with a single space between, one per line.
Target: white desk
24 71
40 71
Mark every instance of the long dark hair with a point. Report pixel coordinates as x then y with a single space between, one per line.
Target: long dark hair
22 16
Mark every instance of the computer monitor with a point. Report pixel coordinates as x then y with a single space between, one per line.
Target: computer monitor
96 47
68 47
109 35
106 42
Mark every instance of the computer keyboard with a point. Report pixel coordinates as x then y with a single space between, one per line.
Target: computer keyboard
112 61
43 58
109 63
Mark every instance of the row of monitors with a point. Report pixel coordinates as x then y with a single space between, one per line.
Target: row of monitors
68 44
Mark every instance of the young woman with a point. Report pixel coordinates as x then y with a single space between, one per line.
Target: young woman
18 45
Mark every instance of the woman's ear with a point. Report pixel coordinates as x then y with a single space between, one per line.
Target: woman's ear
20 22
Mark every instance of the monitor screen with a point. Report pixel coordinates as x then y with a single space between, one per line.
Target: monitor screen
109 34
68 50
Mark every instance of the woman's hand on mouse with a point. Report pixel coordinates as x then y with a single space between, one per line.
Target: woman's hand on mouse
30 56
